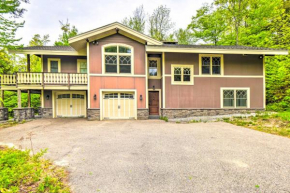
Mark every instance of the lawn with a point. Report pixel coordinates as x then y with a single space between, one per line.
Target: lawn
274 123
21 172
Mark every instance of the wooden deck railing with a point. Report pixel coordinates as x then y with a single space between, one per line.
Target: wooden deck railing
44 78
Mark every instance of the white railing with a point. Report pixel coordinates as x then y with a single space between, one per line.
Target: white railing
44 78
8 79
29 78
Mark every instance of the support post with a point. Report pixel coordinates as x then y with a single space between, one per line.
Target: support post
28 62
1 98
19 98
28 99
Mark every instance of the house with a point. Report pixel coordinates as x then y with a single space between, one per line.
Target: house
114 72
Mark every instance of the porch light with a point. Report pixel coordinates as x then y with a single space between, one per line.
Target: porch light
95 97
141 97
153 87
261 56
47 97
95 42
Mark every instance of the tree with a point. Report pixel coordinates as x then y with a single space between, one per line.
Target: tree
67 32
160 23
137 22
9 10
182 36
208 25
38 41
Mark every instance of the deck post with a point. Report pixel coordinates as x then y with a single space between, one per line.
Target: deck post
19 98
28 91
1 98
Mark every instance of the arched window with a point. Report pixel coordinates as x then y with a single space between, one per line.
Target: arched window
118 58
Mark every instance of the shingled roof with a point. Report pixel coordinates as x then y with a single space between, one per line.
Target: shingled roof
51 48
213 47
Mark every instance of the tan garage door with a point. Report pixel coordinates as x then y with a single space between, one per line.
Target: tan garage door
119 106
70 104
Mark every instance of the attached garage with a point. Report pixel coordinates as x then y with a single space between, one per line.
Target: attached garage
119 105
70 104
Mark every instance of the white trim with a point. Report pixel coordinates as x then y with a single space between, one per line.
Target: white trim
47 52
88 71
54 59
210 66
224 76
235 88
114 26
191 82
118 75
42 98
215 51
146 80
117 54
117 90
157 90
163 80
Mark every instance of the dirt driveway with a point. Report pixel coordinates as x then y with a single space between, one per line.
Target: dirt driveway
155 156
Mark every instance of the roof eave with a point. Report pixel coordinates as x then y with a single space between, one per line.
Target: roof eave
48 52
215 51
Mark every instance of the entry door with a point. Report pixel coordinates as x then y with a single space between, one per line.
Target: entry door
70 105
153 103
119 106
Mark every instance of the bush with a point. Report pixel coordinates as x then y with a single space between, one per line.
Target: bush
21 172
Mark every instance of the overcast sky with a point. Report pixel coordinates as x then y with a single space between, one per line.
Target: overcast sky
42 16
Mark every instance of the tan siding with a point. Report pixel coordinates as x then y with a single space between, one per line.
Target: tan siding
205 93
68 63
180 58
243 65
48 103
155 82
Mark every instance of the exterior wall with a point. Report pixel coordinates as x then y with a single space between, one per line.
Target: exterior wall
155 82
68 63
48 102
184 113
142 114
243 65
21 114
98 83
93 114
205 93
95 53
45 112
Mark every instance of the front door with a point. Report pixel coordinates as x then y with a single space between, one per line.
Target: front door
153 103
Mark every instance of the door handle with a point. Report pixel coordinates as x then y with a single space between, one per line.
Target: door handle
119 106
70 106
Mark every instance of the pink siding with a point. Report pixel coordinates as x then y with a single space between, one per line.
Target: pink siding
96 53
98 83
205 93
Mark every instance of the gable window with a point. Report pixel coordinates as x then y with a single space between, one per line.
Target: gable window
235 97
53 65
118 59
182 74
154 68
82 66
210 64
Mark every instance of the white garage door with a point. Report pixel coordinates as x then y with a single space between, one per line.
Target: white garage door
70 104
119 106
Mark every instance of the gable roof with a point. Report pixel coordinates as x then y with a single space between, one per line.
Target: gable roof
80 40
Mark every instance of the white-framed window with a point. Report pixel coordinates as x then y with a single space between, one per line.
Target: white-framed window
154 68
211 64
182 74
235 97
118 59
82 66
53 65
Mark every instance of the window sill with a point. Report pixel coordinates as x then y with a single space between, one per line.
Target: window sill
182 83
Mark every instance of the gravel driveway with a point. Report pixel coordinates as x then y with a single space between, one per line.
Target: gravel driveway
155 156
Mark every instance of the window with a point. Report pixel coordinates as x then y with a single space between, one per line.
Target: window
182 74
211 64
235 97
53 65
126 96
82 66
154 68
111 96
118 59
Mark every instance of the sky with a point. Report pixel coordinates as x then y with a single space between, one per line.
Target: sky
43 16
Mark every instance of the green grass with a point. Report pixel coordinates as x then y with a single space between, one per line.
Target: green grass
21 172
274 123
164 119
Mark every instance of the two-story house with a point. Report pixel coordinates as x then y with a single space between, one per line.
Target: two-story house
114 72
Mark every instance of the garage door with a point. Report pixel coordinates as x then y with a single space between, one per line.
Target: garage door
70 104
119 106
